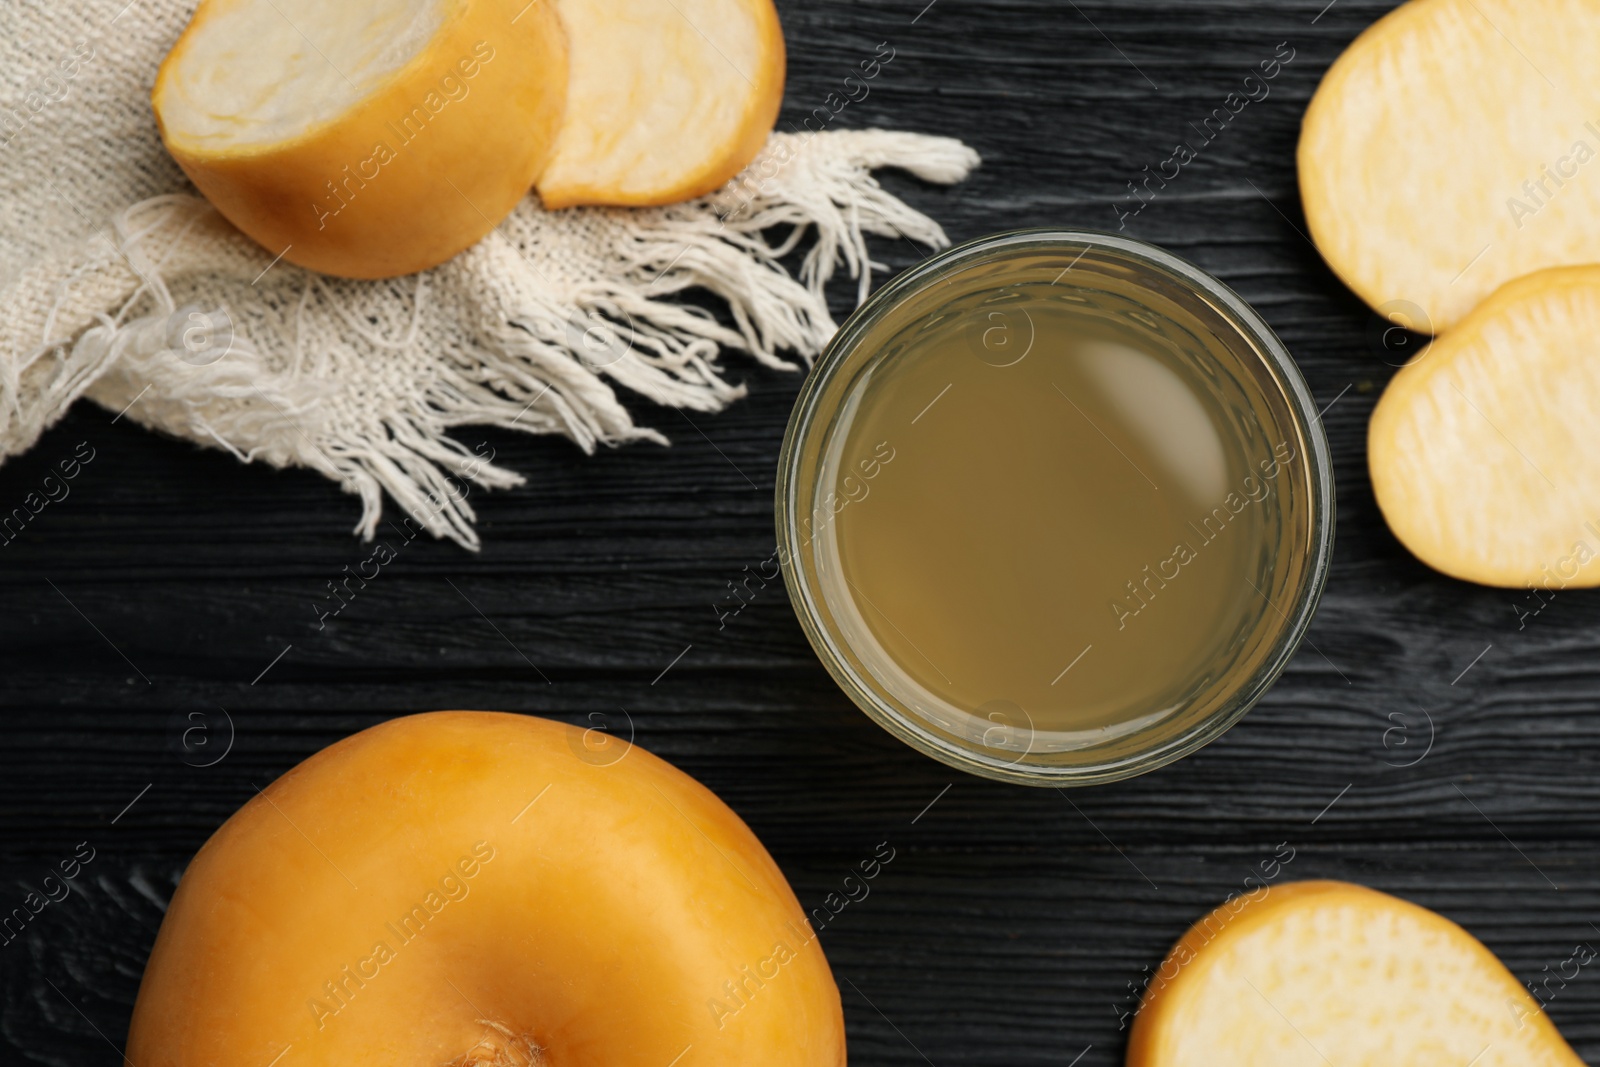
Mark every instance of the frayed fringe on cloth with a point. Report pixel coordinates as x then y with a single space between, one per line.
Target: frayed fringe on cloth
179 321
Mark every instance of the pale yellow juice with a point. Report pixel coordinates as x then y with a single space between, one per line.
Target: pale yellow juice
1051 518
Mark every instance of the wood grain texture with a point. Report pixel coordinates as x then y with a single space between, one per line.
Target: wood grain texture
1012 922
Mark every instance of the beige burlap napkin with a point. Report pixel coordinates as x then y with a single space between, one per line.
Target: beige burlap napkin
118 284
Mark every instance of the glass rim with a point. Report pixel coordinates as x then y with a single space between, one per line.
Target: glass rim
1281 368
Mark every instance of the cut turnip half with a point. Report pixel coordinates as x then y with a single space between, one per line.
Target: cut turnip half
365 138
668 99
1454 147
1485 451
1313 974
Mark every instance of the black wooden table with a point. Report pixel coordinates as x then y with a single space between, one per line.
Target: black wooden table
1432 739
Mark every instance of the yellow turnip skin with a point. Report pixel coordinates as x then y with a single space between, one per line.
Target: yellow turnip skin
474 887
